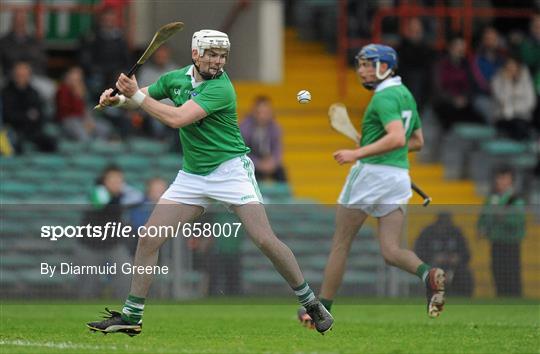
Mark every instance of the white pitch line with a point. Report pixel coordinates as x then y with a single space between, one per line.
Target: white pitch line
55 345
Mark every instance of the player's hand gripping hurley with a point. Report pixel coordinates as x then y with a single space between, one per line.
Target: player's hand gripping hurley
340 121
160 37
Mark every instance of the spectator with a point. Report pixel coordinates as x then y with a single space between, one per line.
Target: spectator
515 99
502 221
487 60
442 245
530 54
416 62
263 136
160 64
454 87
108 198
23 111
104 55
18 45
71 111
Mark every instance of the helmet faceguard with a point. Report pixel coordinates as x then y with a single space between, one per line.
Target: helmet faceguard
209 39
378 53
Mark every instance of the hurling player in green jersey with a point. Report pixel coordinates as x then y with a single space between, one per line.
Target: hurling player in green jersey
215 169
378 184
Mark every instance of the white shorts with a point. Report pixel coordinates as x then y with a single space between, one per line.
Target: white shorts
377 190
232 183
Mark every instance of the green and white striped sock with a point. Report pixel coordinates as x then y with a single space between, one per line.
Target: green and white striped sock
304 293
133 309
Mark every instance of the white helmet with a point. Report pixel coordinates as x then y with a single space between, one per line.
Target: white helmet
206 39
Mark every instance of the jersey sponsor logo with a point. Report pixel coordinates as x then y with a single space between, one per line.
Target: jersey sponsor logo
177 92
193 94
249 196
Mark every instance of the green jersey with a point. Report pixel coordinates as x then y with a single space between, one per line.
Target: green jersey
391 101
214 139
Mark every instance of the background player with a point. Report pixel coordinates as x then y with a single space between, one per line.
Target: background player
378 183
215 168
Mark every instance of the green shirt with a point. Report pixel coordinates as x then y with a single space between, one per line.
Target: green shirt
503 218
214 139
391 101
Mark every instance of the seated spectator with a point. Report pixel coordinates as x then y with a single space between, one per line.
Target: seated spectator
19 45
72 112
487 60
454 88
23 111
442 245
262 135
515 100
108 199
530 55
416 62
160 64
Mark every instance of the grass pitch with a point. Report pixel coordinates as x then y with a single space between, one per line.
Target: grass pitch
269 326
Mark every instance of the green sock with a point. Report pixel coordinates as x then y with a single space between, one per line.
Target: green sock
422 271
327 303
133 309
304 293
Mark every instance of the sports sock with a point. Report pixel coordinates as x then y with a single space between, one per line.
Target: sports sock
133 309
422 271
327 303
304 293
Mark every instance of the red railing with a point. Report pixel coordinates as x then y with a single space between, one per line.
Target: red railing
461 21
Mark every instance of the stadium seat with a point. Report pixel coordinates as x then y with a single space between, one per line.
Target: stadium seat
89 162
457 147
147 147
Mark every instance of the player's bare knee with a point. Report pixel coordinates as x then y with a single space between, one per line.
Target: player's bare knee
390 255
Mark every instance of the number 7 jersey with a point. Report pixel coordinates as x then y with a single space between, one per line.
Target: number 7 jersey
391 101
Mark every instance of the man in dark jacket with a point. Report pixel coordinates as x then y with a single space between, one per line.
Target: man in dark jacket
22 110
442 245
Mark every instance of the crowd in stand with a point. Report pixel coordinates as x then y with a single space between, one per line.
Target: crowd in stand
495 83
66 103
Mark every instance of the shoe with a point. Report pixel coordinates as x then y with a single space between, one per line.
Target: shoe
113 323
435 284
304 318
322 319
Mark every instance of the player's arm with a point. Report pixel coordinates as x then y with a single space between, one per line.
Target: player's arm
416 141
393 139
174 117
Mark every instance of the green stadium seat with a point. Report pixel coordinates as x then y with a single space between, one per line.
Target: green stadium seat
67 147
106 148
48 161
275 190
170 162
471 131
147 147
9 276
133 162
89 162
504 147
